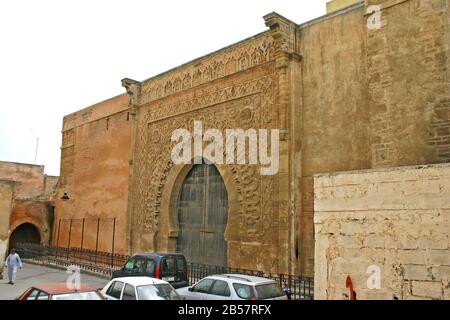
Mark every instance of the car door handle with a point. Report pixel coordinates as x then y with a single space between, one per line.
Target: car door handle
206 231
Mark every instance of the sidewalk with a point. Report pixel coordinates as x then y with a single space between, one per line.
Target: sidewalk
35 273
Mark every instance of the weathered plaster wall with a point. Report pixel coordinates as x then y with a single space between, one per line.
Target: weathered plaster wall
335 118
397 219
32 199
29 178
50 185
94 173
6 202
372 97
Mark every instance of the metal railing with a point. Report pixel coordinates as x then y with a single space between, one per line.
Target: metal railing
300 288
96 261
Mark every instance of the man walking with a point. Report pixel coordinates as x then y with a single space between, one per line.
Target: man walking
13 263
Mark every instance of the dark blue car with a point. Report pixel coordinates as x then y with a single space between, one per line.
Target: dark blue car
171 267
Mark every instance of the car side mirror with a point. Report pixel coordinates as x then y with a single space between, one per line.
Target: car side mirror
190 289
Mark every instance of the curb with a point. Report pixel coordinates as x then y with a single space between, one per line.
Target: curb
55 266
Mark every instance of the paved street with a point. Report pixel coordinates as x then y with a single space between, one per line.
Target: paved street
32 274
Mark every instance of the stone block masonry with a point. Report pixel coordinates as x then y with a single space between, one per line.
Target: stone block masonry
397 219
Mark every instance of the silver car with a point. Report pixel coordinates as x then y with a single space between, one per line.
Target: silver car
233 287
139 288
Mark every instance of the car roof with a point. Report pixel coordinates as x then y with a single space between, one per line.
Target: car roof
243 278
61 288
140 281
156 254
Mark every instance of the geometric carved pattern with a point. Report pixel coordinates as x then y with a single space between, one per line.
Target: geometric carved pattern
230 60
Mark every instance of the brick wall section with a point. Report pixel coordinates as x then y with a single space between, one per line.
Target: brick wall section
397 219
409 88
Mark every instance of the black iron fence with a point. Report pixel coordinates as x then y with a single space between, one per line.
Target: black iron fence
97 261
300 288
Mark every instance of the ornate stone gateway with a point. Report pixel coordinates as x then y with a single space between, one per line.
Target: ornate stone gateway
249 85
202 216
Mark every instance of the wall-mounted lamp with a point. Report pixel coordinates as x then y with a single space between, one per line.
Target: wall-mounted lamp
65 197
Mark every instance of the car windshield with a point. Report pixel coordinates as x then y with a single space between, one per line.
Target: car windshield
268 291
90 295
157 292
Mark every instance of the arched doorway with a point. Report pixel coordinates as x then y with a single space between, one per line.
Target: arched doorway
25 233
202 216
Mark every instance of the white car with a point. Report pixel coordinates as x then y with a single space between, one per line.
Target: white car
139 288
233 287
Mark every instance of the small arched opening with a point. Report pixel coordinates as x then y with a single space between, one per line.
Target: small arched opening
24 233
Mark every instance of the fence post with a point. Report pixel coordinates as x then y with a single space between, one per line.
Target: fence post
82 234
112 250
57 238
70 235
96 242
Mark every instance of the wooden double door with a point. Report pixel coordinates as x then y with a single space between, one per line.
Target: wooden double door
202 216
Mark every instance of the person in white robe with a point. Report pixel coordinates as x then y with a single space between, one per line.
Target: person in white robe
13 263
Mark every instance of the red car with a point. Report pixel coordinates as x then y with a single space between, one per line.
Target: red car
60 291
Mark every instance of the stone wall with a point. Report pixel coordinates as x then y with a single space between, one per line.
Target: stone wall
29 178
32 198
344 96
408 62
372 97
94 173
6 199
397 219
237 87
335 122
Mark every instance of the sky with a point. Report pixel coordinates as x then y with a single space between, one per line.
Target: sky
57 57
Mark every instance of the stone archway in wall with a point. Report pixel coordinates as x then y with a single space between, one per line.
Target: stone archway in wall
24 233
170 235
201 209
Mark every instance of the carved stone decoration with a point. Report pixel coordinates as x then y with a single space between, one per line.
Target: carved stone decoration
243 56
133 88
242 105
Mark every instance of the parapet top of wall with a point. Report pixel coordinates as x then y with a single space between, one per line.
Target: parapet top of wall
97 111
22 172
27 180
19 166
330 15
421 187
336 5
326 175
